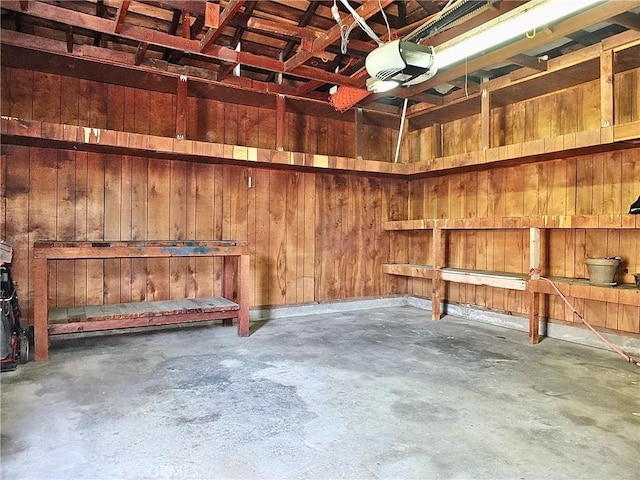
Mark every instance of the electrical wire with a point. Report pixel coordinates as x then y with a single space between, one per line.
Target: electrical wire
628 358
363 24
386 20
404 114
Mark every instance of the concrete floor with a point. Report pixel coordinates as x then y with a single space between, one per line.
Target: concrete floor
383 393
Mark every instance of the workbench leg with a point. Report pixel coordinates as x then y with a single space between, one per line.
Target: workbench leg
438 262
227 284
243 295
40 278
534 317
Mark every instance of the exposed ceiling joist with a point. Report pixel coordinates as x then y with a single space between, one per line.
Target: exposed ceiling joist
365 11
165 40
562 29
628 20
225 18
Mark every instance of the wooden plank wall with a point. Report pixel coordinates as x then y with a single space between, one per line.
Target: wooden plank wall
314 237
60 99
568 111
600 184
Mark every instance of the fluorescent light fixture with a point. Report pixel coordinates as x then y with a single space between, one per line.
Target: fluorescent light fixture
380 86
516 23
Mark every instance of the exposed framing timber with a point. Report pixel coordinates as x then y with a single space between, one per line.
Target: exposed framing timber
181 108
100 56
437 140
227 14
628 20
281 110
576 22
616 43
140 53
534 253
485 119
281 29
69 35
365 10
606 89
122 12
529 62
358 125
227 68
165 40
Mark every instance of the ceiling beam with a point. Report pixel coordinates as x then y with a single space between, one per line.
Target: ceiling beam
366 10
282 29
165 40
304 21
628 20
225 18
122 12
428 6
576 22
172 55
226 68
530 62
127 61
99 39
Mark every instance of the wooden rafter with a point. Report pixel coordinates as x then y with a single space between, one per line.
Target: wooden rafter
165 40
282 29
226 68
562 29
628 20
225 18
529 62
366 10
304 21
122 12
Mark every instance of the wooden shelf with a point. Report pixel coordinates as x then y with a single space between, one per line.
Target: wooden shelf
138 314
563 146
624 294
504 223
409 270
509 281
54 135
106 317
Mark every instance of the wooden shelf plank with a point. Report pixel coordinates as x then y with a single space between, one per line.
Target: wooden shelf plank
624 294
510 223
53 135
159 308
409 270
509 281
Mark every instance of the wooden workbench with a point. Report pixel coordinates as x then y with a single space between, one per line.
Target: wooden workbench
107 317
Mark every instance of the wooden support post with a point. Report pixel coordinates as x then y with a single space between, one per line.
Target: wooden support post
69 39
534 316
437 140
141 51
186 24
228 276
606 89
485 118
534 253
281 110
243 295
40 279
24 5
359 132
436 296
437 283
181 108
120 14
